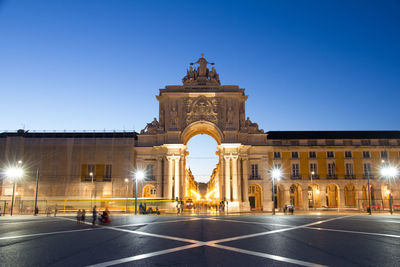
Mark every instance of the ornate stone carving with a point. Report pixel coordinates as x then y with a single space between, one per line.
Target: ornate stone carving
174 117
251 127
201 108
152 127
201 75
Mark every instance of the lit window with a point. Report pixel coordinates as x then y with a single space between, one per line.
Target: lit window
254 170
347 154
366 155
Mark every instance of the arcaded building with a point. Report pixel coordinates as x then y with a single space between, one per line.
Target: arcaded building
320 169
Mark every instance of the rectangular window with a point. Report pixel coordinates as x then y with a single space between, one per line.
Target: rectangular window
331 170
295 155
295 170
366 155
277 155
367 169
312 142
91 174
349 170
277 166
330 154
313 169
347 154
384 142
330 142
150 172
254 170
347 142
108 173
312 155
365 142
384 154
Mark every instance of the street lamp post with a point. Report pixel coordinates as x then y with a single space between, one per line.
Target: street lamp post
36 193
91 198
126 201
312 189
276 175
369 193
14 173
389 172
139 175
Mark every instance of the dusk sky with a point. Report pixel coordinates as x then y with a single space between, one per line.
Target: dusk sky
306 65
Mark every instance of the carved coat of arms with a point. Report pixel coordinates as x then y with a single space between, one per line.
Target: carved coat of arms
201 108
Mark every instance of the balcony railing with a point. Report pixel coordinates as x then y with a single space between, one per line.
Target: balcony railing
150 178
366 176
331 176
314 176
255 177
295 176
349 176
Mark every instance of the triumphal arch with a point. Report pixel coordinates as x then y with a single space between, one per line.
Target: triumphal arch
200 106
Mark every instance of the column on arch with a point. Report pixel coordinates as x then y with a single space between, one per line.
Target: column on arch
170 176
159 177
245 186
227 177
177 176
234 178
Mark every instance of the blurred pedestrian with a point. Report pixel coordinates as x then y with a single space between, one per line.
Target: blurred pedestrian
48 212
78 217
94 214
55 210
83 217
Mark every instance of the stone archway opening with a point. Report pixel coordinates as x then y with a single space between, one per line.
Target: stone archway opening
202 169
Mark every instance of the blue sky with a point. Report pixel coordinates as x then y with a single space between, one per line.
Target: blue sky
306 65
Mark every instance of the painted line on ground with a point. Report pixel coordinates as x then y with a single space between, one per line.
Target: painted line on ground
31 221
262 223
277 231
47 233
213 243
268 256
172 221
352 232
144 256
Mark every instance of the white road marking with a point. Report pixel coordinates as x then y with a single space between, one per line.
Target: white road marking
142 224
262 223
48 233
213 243
269 256
277 231
144 256
25 221
352 232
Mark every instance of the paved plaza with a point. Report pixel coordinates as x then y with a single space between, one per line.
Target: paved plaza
235 240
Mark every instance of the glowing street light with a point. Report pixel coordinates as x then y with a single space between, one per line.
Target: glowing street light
139 175
14 173
276 175
389 172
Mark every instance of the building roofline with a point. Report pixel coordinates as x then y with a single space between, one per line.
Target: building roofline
27 134
276 135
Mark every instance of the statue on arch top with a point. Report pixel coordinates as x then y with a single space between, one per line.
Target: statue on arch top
201 75
203 70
